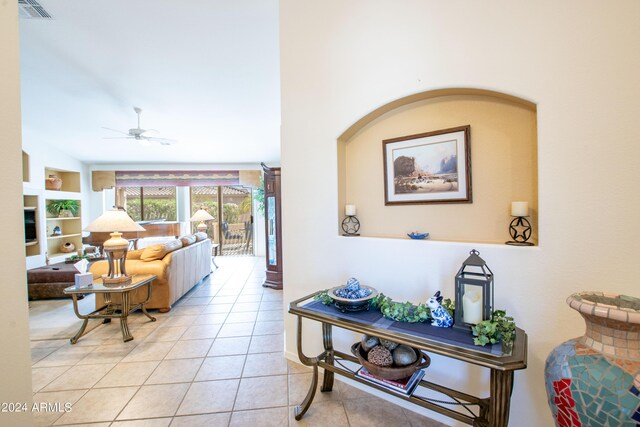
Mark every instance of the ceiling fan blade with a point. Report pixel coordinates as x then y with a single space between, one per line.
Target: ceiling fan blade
115 130
161 141
118 137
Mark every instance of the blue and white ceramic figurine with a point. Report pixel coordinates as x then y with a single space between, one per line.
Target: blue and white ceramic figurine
440 316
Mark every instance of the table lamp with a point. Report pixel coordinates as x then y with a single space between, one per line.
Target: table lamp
115 222
202 216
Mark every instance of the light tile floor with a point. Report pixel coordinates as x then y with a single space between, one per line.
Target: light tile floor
216 359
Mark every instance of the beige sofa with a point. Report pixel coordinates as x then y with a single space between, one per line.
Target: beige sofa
179 264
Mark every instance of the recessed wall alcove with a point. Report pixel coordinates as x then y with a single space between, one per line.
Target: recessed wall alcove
504 165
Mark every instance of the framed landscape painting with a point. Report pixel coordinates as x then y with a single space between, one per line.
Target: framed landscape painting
432 167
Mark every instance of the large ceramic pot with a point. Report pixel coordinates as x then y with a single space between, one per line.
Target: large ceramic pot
594 380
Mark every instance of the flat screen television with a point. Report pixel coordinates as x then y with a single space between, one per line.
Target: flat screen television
30 225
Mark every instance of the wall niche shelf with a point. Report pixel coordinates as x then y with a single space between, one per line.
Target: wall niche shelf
504 165
70 227
437 241
70 179
32 247
63 219
25 167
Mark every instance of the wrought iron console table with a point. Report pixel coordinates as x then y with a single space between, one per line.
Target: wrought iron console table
492 411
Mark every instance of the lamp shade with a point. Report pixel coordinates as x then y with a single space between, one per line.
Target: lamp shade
114 220
201 215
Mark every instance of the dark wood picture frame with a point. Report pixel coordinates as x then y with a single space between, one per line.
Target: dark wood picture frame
458 138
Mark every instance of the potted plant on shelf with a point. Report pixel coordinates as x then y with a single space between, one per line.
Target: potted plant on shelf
63 208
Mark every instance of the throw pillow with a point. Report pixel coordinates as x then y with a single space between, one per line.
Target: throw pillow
154 252
135 254
188 240
200 236
173 245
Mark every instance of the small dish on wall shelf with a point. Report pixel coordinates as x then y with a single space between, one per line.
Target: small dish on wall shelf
418 236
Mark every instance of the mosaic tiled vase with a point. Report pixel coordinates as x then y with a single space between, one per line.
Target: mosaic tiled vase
594 380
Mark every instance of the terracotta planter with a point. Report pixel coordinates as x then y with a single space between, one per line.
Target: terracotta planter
594 380
54 182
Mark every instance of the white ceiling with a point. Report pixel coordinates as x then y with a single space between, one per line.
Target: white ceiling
204 72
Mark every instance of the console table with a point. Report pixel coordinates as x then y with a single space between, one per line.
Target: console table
112 310
492 411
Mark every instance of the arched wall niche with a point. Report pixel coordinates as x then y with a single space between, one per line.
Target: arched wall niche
504 165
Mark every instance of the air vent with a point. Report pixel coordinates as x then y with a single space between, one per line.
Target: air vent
31 9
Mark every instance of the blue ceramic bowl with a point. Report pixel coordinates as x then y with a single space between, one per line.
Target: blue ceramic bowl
418 236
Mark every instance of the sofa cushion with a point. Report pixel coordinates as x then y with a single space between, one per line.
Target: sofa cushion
154 252
135 254
173 245
188 240
200 236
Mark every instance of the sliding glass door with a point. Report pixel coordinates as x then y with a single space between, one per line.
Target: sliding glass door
232 209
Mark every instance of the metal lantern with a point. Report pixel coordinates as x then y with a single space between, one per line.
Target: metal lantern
474 292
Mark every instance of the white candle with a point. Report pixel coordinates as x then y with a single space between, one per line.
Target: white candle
519 208
350 210
472 307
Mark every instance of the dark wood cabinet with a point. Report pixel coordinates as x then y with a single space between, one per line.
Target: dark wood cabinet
273 224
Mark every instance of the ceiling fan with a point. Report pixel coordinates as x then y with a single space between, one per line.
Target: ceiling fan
137 134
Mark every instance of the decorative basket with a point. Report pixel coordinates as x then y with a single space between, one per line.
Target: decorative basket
54 182
390 372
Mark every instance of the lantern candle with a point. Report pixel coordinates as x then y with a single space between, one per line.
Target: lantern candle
350 210
472 307
519 208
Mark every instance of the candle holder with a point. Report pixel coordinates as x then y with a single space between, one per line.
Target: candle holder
520 232
350 226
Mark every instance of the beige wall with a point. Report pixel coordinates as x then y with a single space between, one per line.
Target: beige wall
342 60
503 163
15 358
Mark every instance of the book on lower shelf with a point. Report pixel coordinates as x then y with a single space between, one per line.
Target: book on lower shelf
404 385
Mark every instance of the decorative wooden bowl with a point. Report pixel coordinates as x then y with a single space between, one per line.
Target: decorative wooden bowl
391 372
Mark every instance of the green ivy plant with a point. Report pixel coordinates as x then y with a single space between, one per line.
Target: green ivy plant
398 311
78 258
323 297
499 328
401 311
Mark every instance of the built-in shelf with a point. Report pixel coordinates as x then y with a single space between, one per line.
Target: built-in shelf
57 254
67 195
30 203
70 179
436 241
70 227
25 167
62 236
